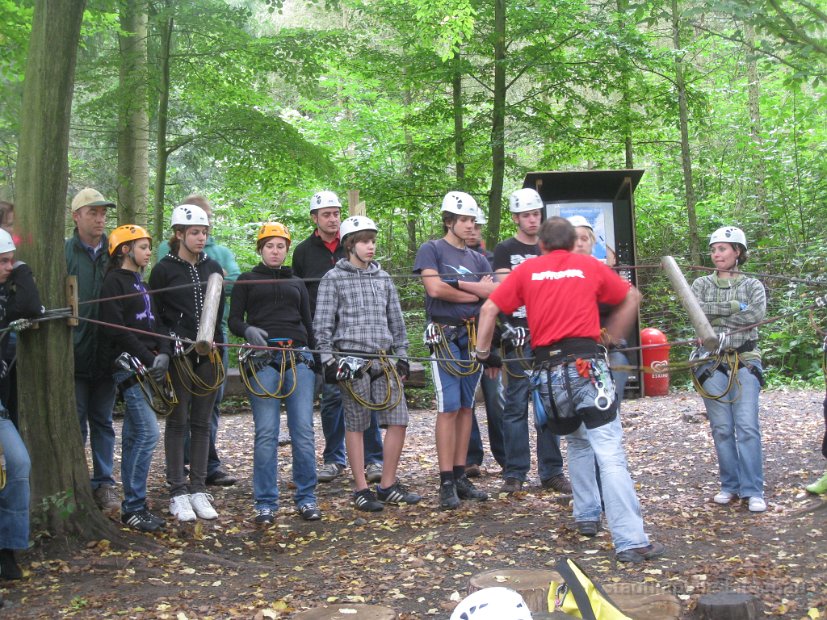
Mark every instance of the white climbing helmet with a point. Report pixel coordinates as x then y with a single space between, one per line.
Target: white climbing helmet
729 234
6 242
492 604
324 200
189 215
523 200
578 220
459 203
356 223
481 219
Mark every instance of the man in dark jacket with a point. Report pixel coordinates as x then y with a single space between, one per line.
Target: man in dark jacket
313 258
86 258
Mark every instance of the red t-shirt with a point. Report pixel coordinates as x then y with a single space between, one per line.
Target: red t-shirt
560 291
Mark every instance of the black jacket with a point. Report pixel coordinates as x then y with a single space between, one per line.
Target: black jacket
138 311
280 308
19 299
311 260
180 309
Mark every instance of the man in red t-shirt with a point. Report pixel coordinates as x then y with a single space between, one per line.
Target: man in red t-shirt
561 291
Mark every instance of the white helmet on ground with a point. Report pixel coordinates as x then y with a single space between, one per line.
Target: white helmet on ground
578 220
459 203
189 215
354 224
729 234
6 242
523 200
481 219
324 200
492 604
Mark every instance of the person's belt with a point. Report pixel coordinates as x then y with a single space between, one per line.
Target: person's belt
450 321
565 350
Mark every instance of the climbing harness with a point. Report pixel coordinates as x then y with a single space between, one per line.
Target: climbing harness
282 359
723 361
438 337
159 395
183 364
518 337
352 367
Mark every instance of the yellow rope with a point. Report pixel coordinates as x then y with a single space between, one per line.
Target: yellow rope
391 377
247 371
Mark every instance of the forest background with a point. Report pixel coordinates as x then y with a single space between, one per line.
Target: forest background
260 103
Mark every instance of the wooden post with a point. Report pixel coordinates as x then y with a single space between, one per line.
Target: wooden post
72 299
348 612
206 328
729 606
690 303
532 585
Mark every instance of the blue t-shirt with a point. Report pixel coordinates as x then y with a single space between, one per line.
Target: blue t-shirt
452 264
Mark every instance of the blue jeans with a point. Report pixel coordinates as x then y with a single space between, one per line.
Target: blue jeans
333 426
140 436
267 416
95 400
736 432
605 445
14 498
492 392
515 427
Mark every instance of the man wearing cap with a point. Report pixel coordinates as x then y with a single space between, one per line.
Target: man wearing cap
86 258
312 259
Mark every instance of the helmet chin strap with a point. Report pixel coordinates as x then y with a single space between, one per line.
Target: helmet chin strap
453 232
359 258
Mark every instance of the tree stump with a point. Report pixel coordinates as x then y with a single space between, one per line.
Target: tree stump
532 585
729 606
644 601
346 611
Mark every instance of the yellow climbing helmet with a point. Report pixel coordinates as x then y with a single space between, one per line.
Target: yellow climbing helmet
273 229
124 234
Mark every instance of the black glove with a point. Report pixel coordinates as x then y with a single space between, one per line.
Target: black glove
492 361
403 368
159 367
256 336
317 363
331 370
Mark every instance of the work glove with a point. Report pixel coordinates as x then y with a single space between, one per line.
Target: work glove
159 367
330 371
256 336
403 368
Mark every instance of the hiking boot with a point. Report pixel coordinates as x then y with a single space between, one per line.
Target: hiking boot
557 483
473 470
9 569
588 528
819 487
265 515
724 497
511 486
366 500
220 478
448 499
641 554
181 509
141 520
202 507
757 504
397 493
107 497
373 472
467 490
310 511
329 472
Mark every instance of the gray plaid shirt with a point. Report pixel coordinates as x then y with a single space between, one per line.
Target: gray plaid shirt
722 300
359 310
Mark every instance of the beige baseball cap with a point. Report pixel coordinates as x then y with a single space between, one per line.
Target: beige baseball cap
89 197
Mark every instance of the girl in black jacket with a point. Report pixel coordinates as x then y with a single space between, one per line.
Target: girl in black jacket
130 249
187 268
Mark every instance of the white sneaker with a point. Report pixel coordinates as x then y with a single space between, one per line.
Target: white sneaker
724 497
757 504
181 509
202 507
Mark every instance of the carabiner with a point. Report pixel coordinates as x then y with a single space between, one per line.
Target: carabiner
603 400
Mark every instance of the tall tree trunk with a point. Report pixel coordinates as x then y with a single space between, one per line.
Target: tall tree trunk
411 210
459 121
61 492
757 161
495 196
625 98
686 154
133 117
167 25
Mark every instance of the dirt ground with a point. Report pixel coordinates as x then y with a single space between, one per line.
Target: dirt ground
418 560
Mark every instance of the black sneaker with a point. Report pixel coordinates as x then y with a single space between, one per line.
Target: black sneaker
310 511
641 554
397 493
141 520
220 478
588 528
448 499
467 490
366 500
265 515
